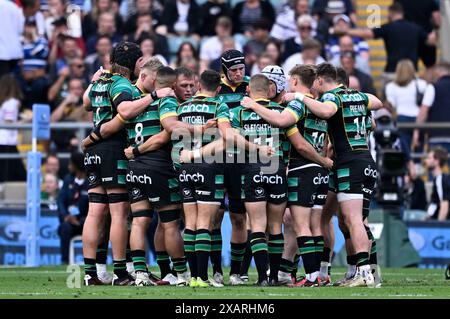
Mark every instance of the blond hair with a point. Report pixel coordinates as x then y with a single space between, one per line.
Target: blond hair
152 64
404 72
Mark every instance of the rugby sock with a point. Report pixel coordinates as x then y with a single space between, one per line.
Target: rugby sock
202 249
362 259
163 261
139 260
237 256
179 264
286 266
325 262
307 250
216 250
318 241
373 258
120 268
259 250
247 256
128 257
275 247
295 265
351 266
89 267
189 251
326 254
102 253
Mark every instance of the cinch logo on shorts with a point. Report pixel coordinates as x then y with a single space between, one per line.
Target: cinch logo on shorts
94 159
273 180
197 177
370 172
319 179
141 179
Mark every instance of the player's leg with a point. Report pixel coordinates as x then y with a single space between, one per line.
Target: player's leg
189 235
216 247
329 209
102 252
238 245
316 232
162 257
275 212
246 261
290 249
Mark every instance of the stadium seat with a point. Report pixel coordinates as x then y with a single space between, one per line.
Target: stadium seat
14 193
72 248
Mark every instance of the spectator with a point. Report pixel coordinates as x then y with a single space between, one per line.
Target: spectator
185 87
255 46
401 39
59 34
353 83
273 48
185 52
10 100
264 60
348 63
107 25
435 108
94 61
12 25
321 8
212 48
73 204
346 44
325 17
147 44
305 31
286 26
34 81
309 55
143 7
49 194
70 51
92 19
145 29
56 10
193 65
210 12
416 197
438 207
425 14
228 43
181 17
246 13
401 95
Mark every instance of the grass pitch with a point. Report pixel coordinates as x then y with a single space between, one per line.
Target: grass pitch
51 282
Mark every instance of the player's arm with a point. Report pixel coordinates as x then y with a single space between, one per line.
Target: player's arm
307 150
131 108
152 144
324 110
86 100
209 149
277 119
172 125
374 102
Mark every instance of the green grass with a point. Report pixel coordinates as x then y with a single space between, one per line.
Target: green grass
50 282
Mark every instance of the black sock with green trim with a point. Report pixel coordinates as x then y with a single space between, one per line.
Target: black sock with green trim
307 251
120 268
259 250
128 256
362 259
286 265
202 249
216 250
179 265
189 251
373 258
326 254
102 253
163 261
139 260
247 256
319 243
275 248
237 256
295 264
89 267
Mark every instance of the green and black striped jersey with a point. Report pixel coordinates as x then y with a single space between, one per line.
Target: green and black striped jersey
148 123
104 95
348 126
311 127
256 130
233 95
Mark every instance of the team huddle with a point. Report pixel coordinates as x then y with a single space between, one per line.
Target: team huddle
282 163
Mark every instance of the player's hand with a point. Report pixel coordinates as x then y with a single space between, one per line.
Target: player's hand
248 103
288 97
129 152
266 150
210 123
185 156
84 144
165 92
327 163
97 74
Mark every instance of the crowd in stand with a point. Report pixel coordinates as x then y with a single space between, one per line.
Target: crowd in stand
49 50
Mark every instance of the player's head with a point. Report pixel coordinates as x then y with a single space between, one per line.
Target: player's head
233 66
302 75
342 77
277 79
124 58
210 81
165 77
185 86
259 86
326 77
148 72
437 157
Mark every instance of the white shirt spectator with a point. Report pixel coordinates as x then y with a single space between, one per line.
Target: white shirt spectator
285 26
297 58
403 98
211 49
182 25
430 93
12 24
9 112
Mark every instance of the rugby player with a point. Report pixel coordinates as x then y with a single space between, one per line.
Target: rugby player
185 84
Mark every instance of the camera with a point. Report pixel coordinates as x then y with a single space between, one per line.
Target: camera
391 162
